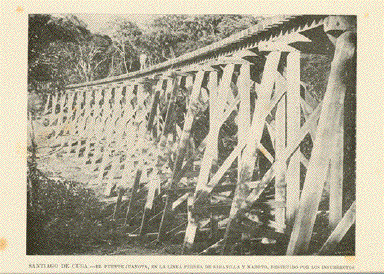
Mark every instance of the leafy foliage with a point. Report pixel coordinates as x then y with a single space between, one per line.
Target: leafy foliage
315 72
43 30
67 219
170 36
124 51
63 51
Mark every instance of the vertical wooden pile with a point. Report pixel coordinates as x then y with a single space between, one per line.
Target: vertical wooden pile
327 150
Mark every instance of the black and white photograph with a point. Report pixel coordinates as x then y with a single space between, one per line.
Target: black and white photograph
186 134
165 141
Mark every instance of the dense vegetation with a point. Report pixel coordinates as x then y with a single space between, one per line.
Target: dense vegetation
63 51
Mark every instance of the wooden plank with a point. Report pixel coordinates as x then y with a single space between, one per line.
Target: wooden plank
292 176
202 146
116 212
254 137
77 109
316 175
212 143
105 161
133 198
68 128
212 86
80 102
210 152
155 103
219 174
303 159
234 154
213 248
265 152
192 225
115 164
181 152
339 232
217 104
244 119
283 42
104 128
63 101
244 115
91 120
257 191
106 107
312 102
336 180
180 200
307 109
140 112
214 226
86 115
154 186
46 107
123 125
54 104
178 228
272 132
58 116
294 145
280 142
118 97
228 162
171 89
189 83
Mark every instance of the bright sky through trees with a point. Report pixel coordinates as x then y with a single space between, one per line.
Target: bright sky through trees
96 23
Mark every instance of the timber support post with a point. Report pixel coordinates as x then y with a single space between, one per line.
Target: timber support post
330 120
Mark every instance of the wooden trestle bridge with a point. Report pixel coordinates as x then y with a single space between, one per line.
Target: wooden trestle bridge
209 145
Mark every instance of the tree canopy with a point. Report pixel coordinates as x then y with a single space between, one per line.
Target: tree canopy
63 51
